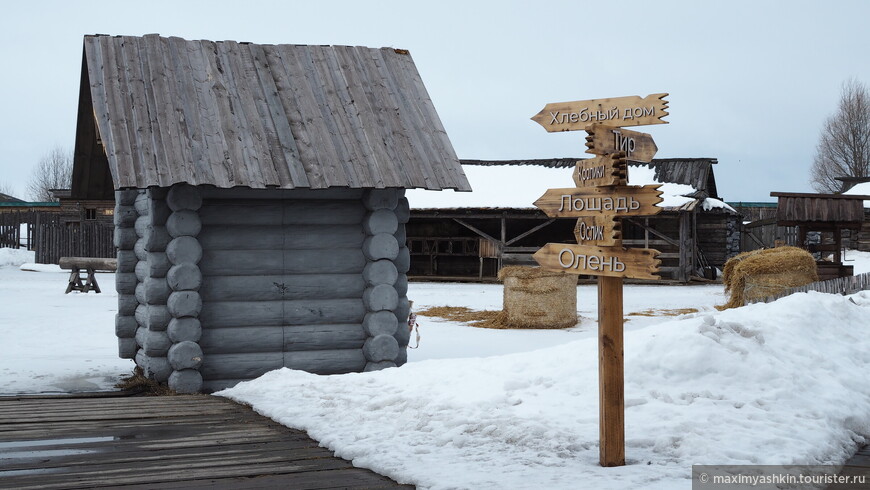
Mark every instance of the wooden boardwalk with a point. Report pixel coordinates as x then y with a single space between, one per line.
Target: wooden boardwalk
191 441
858 465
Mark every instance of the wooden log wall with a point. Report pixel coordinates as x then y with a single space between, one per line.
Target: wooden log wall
125 238
261 280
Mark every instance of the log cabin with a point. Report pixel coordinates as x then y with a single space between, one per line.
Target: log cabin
259 201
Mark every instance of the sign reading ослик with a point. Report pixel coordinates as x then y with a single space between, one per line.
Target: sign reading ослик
617 112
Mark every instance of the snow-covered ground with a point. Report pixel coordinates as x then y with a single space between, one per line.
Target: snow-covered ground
779 383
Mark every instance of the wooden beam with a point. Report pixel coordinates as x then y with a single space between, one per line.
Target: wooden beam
611 382
527 233
653 231
479 232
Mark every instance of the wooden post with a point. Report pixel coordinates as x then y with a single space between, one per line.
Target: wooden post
611 391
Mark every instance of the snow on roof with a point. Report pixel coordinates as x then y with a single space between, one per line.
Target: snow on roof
518 186
859 190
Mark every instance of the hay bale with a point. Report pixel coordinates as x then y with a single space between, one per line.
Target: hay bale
538 298
760 273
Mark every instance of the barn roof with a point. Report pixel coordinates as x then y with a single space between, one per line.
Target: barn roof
8 198
228 114
819 209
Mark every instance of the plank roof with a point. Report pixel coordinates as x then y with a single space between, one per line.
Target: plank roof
154 111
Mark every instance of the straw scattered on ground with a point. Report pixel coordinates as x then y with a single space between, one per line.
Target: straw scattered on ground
138 382
474 318
664 312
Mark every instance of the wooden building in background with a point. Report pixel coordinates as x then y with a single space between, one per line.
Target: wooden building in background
474 242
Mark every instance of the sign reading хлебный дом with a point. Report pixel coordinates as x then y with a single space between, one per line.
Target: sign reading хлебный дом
616 112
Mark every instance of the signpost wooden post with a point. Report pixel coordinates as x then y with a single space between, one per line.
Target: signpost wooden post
600 199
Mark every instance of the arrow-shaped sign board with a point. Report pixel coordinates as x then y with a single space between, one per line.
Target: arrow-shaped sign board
628 200
598 230
601 170
634 263
604 140
617 111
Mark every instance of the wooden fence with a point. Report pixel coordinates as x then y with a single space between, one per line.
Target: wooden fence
840 285
52 237
11 233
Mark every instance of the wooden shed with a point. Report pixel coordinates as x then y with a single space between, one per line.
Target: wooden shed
828 214
260 204
477 233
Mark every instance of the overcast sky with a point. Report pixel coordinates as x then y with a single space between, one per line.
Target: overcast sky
750 82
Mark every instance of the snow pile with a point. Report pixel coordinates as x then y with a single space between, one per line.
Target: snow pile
779 383
862 189
14 257
857 259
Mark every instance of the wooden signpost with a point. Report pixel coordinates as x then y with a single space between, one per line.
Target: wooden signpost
600 200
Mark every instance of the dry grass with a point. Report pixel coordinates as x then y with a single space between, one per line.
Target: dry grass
664 312
773 269
139 382
474 318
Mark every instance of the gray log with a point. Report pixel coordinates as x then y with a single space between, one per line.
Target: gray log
184 329
127 304
125 216
139 249
403 310
127 348
254 262
159 210
214 193
277 237
125 326
186 381
140 293
127 261
157 368
240 340
184 303
403 334
271 313
95 263
381 246
403 260
403 210
403 355
185 355
125 282
142 225
374 199
381 348
270 288
183 223
125 238
158 264
401 285
274 339
126 197
326 361
283 212
184 277
380 221
380 323
240 366
380 297
153 317
380 272
184 196
401 236
156 291
184 250
156 239
142 271
142 204
154 343
377 366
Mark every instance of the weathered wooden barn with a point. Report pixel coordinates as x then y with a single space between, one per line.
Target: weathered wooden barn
260 217
827 214
472 237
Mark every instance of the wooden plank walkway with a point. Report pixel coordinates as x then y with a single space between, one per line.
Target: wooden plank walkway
857 465
189 441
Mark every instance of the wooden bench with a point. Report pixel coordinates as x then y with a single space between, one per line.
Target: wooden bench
90 265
